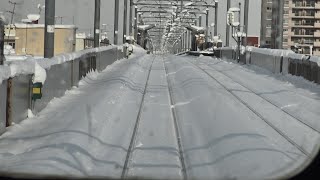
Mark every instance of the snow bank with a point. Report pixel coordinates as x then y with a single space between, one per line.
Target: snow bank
315 59
40 74
10 58
4 73
37 66
60 59
274 52
197 28
146 27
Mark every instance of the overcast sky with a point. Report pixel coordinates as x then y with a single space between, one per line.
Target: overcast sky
81 13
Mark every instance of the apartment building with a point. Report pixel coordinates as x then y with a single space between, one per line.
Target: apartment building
301 25
266 21
28 39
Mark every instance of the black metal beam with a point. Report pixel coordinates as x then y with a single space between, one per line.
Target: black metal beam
49 28
97 23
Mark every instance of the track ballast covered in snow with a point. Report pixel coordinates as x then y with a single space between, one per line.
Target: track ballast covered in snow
169 117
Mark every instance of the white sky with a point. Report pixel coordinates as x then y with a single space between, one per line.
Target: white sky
82 12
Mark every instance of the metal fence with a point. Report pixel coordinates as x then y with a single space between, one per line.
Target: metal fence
277 61
3 100
15 92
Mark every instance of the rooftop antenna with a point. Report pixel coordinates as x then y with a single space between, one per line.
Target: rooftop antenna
34 18
41 8
12 14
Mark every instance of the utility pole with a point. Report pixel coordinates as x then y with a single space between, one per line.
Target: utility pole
277 24
207 27
136 23
1 41
116 25
216 18
238 34
130 18
12 15
96 37
125 17
49 28
228 27
185 41
181 43
246 21
189 39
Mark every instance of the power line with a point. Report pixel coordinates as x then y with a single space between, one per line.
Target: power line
12 15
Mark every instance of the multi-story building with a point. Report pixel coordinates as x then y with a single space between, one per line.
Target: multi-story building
266 21
28 39
301 25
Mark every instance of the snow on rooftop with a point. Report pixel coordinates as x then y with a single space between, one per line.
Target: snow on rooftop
129 38
239 34
146 26
234 9
20 25
315 59
4 73
81 35
143 26
275 52
197 28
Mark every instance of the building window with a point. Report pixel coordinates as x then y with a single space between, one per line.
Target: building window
12 44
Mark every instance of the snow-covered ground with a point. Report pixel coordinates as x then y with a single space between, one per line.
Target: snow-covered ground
232 122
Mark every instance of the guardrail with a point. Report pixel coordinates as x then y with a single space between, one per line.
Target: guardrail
62 73
277 61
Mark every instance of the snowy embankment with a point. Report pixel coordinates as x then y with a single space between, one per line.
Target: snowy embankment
82 134
288 104
230 122
279 52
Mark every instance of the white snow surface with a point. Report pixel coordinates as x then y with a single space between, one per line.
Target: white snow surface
40 74
226 116
4 73
274 52
197 28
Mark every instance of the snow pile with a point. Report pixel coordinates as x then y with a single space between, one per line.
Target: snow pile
8 50
33 65
30 114
62 58
4 73
10 58
143 27
273 52
197 28
40 74
146 27
226 48
315 59
296 56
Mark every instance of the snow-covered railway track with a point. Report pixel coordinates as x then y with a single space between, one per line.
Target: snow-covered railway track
136 127
176 124
262 117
